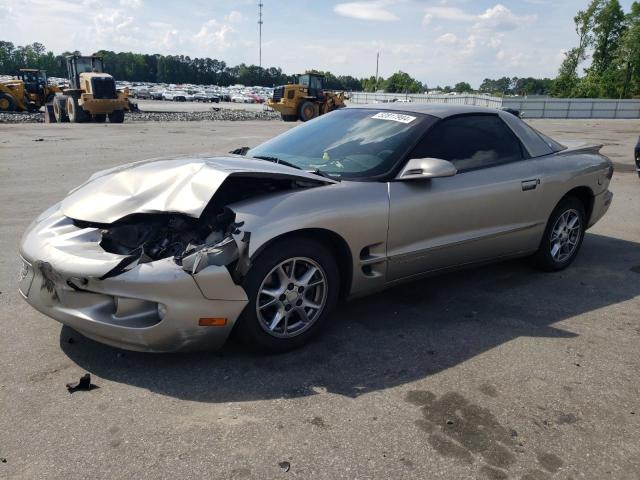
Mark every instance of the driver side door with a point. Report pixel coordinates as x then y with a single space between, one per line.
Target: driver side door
482 213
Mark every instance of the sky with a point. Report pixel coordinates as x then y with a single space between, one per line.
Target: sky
439 42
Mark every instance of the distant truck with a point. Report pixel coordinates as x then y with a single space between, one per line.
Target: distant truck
28 91
306 99
91 95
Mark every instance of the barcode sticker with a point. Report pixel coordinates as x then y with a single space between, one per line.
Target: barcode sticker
394 117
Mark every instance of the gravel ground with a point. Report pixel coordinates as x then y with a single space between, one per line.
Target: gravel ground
164 106
498 372
182 116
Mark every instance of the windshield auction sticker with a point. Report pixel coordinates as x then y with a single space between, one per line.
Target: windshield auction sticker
394 117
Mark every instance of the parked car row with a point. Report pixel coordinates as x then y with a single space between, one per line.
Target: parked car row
198 93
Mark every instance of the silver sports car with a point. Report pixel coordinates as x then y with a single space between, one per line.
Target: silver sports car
175 254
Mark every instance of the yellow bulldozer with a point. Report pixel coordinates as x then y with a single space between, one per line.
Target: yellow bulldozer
91 95
306 99
27 92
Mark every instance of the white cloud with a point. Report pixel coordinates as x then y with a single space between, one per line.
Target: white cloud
447 39
497 17
500 17
511 59
213 33
131 3
163 25
234 17
111 22
446 13
366 11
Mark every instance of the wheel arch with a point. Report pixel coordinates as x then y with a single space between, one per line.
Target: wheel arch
336 244
586 197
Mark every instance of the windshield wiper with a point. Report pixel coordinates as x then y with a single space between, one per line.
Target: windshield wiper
277 160
320 173
315 171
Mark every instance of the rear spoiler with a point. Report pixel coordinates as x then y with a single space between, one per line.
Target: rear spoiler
581 147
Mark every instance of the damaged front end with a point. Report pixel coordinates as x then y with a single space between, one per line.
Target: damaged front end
194 244
141 273
178 209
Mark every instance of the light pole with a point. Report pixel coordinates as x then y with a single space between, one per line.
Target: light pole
260 22
375 89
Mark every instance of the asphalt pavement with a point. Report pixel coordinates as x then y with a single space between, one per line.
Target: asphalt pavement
497 372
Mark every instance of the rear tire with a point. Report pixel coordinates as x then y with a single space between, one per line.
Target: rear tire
307 111
75 112
562 237
117 116
100 118
321 289
7 103
31 106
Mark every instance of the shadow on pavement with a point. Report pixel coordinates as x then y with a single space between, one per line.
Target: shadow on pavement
402 335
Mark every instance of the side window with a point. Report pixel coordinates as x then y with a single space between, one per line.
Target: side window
315 83
471 142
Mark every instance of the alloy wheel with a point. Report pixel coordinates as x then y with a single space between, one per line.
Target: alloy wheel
291 297
565 236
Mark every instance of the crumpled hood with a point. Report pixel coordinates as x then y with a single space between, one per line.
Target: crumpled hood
177 185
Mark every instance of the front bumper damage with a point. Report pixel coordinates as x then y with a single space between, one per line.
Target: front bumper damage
154 306
138 255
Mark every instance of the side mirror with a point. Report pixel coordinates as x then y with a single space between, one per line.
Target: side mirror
240 151
424 168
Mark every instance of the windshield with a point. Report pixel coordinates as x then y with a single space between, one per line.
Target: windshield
88 64
350 143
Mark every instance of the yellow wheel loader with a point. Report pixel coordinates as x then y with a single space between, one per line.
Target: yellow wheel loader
305 99
29 91
91 96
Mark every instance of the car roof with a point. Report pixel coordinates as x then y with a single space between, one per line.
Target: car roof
439 110
535 145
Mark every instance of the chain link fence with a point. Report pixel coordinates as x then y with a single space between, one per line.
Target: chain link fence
577 108
534 107
476 100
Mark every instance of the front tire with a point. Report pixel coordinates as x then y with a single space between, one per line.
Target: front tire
292 287
60 108
75 112
117 116
563 236
7 103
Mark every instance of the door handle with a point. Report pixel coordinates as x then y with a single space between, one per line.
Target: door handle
530 184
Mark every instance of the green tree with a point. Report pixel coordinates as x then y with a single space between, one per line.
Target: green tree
568 78
371 85
463 87
402 82
608 27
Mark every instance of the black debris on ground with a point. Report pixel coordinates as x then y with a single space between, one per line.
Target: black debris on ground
84 385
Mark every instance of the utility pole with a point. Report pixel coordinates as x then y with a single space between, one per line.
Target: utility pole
376 82
260 22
